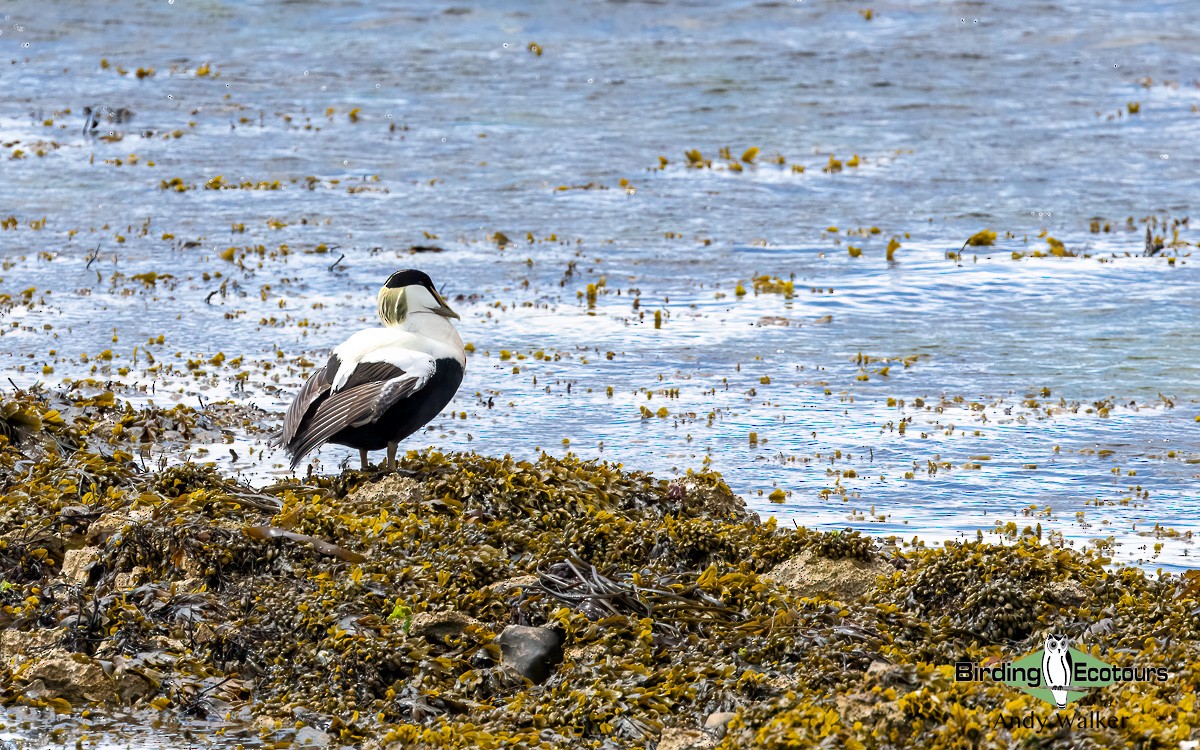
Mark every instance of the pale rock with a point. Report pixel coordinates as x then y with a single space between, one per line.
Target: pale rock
844 579
440 625
76 677
76 563
685 739
717 721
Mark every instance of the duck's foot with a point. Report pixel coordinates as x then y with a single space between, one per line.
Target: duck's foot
388 466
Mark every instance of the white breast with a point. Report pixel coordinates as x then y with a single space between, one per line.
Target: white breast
415 354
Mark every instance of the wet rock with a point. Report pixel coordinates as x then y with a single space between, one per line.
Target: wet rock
530 652
685 739
37 691
844 579
131 687
310 737
74 677
440 625
717 721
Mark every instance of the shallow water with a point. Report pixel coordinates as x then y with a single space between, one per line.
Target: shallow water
964 117
43 729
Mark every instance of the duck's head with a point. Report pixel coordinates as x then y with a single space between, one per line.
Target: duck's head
407 293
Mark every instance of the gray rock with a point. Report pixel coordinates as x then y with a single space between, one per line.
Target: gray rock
131 687
37 691
532 653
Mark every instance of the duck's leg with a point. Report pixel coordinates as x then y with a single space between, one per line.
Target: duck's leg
362 454
391 457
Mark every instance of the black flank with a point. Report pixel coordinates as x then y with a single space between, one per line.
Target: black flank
407 415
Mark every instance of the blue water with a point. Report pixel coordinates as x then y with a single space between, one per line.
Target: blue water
964 117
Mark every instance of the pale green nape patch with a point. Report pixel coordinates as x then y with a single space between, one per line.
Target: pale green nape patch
393 306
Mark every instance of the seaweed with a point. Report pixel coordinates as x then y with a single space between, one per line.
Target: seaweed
369 609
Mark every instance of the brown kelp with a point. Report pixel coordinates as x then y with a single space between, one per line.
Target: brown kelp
370 610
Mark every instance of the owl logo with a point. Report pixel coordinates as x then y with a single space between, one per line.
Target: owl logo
1057 668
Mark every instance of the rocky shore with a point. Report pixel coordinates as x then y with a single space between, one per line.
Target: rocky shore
474 601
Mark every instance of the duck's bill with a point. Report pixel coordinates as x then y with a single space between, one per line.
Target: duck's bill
443 309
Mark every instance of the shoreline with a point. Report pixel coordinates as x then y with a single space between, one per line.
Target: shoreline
476 601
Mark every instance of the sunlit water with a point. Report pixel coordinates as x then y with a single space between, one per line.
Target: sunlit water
1057 390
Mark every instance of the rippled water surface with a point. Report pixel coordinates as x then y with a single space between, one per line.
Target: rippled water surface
1032 388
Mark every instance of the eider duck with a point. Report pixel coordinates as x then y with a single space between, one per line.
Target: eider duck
382 384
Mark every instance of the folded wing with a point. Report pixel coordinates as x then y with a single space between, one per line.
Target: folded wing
350 407
313 389
350 394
